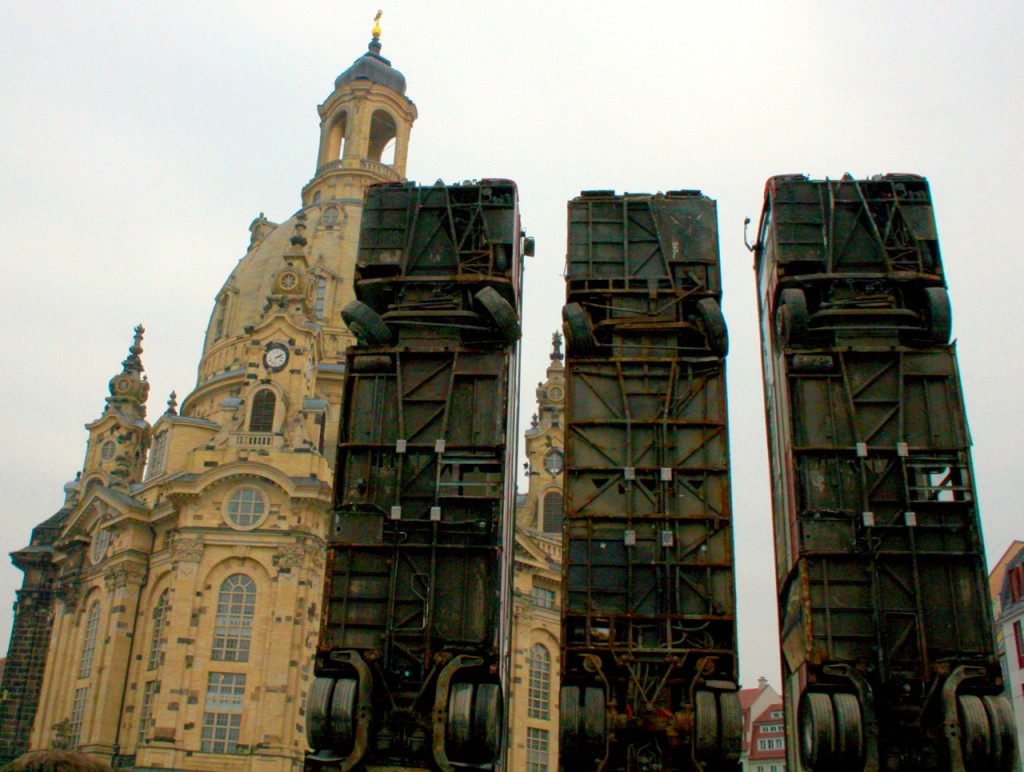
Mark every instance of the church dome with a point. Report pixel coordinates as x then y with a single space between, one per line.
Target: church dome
375 68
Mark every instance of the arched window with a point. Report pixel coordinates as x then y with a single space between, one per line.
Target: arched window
156 645
336 138
232 631
553 506
92 628
383 132
246 507
157 456
539 694
261 419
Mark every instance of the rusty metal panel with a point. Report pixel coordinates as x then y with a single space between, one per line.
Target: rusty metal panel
648 617
879 559
416 609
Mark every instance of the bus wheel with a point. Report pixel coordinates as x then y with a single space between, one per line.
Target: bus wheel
579 332
593 722
705 726
569 720
366 324
488 721
975 733
714 326
849 731
460 720
817 731
940 315
791 315
1000 718
318 730
500 311
343 713
730 719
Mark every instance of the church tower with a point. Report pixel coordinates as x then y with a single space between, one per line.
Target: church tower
183 595
537 579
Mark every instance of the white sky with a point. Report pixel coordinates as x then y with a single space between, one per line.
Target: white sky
138 140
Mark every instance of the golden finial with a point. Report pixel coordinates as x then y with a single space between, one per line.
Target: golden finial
376 24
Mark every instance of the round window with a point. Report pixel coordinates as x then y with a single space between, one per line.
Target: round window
246 507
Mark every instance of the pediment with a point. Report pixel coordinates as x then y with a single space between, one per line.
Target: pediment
101 504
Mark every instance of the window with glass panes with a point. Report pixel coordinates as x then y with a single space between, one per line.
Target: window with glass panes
536 749
232 632
261 419
156 644
538 699
92 626
246 507
222 716
77 715
149 692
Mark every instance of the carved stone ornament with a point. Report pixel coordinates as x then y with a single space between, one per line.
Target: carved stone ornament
68 591
289 557
186 553
124 574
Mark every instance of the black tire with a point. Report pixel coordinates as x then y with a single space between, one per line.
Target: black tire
488 721
791 315
730 719
849 732
366 324
569 720
579 332
460 721
1004 732
715 329
705 726
371 363
592 727
940 315
318 728
975 733
500 311
817 732
343 713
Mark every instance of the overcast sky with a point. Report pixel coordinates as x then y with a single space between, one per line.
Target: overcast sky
138 140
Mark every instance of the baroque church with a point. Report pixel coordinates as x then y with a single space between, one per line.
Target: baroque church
170 609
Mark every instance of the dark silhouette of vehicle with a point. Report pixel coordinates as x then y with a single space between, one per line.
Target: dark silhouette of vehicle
412 663
888 656
649 662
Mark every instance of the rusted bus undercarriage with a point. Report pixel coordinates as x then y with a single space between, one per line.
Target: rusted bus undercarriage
411 668
649 660
886 631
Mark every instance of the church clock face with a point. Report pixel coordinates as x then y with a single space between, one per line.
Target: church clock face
555 393
275 357
288 280
554 461
122 384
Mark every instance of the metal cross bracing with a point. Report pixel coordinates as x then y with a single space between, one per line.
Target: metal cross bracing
889 660
412 663
649 662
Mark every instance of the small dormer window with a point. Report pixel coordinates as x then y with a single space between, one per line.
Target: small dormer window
261 419
107 450
330 218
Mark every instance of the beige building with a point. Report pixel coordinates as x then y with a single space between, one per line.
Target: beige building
170 608
537 583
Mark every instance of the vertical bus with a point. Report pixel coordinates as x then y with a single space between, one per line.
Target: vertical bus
649 662
885 621
411 667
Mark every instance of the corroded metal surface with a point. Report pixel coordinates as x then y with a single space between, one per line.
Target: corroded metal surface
648 620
